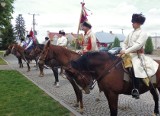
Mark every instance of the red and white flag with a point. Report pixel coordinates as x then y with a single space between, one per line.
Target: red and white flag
84 14
31 33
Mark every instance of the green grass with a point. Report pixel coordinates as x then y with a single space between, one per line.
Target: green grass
1 52
2 62
20 97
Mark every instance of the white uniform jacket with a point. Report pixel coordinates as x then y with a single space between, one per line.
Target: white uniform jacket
135 41
62 41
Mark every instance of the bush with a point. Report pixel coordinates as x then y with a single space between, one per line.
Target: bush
116 42
148 46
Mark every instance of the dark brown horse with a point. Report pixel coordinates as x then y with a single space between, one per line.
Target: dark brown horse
8 51
107 69
64 56
24 55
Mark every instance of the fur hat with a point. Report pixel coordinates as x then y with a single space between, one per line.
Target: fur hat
62 32
87 24
138 18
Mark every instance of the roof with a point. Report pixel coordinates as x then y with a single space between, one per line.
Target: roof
70 36
104 37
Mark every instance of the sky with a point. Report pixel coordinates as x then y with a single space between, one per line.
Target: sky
106 15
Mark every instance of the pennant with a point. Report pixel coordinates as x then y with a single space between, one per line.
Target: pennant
31 33
84 15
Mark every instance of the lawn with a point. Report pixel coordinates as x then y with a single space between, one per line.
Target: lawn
20 97
1 52
2 62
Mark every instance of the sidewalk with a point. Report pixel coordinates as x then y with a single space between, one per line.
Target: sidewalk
66 96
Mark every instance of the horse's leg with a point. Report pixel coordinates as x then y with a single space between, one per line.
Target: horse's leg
99 96
28 66
55 72
112 101
61 71
156 99
36 60
19 62
41 66
78 93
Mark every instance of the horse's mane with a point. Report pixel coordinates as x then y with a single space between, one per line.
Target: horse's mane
41 46
86 61
63 50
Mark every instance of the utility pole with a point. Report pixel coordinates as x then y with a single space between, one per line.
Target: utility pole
155 40
33 22
122 31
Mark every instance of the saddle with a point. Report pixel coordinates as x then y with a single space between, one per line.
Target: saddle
128 67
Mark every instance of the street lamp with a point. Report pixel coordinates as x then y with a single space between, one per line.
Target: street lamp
3 4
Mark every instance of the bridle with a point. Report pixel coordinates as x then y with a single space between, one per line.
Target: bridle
109 68
45 55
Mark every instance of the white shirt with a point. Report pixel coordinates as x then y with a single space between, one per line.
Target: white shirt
62 41
30 43
134 41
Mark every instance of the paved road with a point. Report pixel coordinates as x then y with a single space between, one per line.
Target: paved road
65 94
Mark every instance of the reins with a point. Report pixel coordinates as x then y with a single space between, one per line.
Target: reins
107 69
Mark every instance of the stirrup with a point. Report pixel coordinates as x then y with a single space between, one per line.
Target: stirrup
135 93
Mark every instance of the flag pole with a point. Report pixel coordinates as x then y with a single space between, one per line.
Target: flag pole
79 24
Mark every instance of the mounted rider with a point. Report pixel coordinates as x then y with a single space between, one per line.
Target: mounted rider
30 44
90 41
62 40
143 66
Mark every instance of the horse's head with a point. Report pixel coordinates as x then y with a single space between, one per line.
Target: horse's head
85 67
82 79
35 52
17 50
8 51
14 49
44 54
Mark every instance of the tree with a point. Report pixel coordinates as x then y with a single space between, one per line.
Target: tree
149 46
116 42
7 36
6 30
6 13
20 26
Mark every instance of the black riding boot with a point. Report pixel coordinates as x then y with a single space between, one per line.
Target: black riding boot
135 91
135 84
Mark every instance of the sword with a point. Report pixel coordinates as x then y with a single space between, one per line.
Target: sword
144 68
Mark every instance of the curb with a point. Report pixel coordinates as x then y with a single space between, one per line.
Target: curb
51 95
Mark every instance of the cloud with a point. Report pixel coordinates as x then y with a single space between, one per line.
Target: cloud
107 15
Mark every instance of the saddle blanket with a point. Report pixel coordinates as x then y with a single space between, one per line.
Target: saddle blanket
145 80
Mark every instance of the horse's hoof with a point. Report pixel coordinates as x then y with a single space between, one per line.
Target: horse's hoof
156 114
81 111
97 100
41 75
75 105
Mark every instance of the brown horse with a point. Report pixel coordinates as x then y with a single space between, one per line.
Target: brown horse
8 51
24 55
107 69
64 56
37 50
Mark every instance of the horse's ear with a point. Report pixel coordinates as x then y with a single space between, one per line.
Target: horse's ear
48 43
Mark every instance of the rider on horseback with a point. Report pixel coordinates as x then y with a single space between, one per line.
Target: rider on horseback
30 43
89 43
143 66
62 41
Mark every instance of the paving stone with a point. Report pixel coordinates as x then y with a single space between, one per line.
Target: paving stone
127 106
